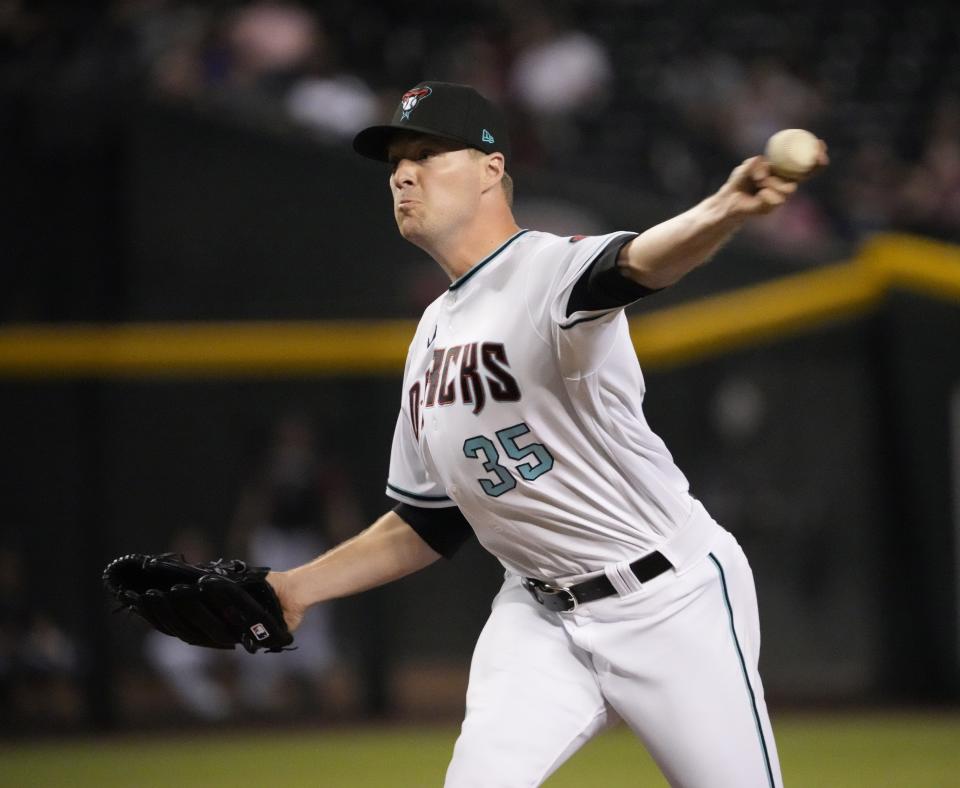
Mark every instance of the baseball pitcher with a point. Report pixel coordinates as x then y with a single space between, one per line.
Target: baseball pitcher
521 423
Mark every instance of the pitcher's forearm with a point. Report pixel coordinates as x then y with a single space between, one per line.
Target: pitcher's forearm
660 256
386 551
666 252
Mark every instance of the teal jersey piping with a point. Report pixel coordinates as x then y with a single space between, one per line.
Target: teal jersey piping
462 280
743 667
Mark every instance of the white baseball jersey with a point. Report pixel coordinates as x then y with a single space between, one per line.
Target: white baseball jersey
526 414
530 421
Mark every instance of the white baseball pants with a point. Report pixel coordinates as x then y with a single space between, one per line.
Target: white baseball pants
675 658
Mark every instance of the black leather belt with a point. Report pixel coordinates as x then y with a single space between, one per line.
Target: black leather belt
560 599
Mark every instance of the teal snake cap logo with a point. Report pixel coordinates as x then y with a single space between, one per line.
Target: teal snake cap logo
487 136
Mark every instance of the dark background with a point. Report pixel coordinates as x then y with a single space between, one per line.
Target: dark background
125 199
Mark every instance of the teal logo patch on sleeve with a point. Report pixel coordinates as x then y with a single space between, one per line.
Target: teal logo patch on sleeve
487 137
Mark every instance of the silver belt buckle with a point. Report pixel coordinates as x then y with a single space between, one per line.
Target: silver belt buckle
554 598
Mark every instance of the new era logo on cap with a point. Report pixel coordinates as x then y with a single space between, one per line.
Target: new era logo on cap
442 109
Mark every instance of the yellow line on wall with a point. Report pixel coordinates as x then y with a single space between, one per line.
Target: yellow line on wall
781 308
917 264
681 334
752 314
251 349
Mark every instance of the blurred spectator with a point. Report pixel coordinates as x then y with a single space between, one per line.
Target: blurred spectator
297 506
335 104
557 70
559 75
265 60
766 99
268 40
263 50
38 659
869 188
699 84
930 198
172 42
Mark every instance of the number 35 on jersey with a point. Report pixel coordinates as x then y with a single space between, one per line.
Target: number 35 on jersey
469 374
538 458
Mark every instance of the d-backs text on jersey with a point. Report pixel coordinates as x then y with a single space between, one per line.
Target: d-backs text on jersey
464 374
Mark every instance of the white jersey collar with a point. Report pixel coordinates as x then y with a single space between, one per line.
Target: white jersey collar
462 280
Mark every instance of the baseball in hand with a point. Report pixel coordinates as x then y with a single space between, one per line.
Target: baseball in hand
793 153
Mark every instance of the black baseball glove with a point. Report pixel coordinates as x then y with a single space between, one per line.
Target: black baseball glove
216 604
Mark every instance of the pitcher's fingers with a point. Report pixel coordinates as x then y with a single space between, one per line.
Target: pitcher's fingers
781 185
770 199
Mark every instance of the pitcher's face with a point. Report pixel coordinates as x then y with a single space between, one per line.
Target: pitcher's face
436 186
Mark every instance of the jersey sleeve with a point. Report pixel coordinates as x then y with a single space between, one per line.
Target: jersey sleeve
408 479
444 530
590 286
576 295
602 285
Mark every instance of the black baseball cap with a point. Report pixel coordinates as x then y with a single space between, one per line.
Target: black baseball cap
443 109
